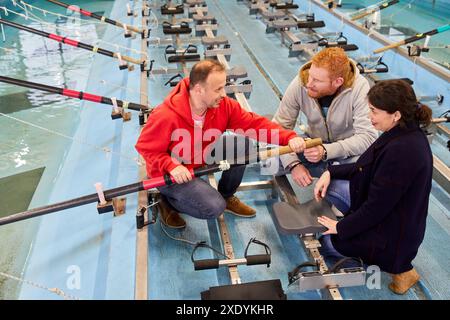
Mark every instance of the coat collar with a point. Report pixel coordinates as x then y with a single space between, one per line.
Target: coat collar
394 133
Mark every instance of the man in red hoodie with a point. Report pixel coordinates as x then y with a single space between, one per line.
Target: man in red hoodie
178 132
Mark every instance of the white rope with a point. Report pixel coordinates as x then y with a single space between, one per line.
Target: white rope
25 5
408 5
372 6
175 238
113 85
67 30
3 33
154 26
55 290
102 81
84 54
101 23
80 141
439 47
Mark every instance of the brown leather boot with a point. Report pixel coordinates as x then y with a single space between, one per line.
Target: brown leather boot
402 282
236 207
169 216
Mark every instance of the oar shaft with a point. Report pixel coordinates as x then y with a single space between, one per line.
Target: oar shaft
369 12
109 194
31 85
263 155
390 46
93 15
72 93
58 38
69 41
129 59
138 186
413 38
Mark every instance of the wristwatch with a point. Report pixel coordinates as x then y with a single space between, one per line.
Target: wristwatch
325 154
292 165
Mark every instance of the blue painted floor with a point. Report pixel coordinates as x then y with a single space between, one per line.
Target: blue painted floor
91 256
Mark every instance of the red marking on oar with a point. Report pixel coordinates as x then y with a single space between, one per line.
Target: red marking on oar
86 13
155 182
70 42
74 8
71 93
55 37
92 97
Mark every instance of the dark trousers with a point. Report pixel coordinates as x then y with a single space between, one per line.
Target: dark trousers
198 199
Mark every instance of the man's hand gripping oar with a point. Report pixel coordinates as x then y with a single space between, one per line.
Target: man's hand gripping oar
297 145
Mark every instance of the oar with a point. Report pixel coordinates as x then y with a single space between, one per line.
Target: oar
95 16
382 6
70 42
144 185
73 93
414 38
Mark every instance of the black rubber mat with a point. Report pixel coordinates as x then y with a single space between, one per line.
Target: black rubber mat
16 191
14 102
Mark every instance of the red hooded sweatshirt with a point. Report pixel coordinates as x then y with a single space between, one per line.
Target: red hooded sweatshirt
170 130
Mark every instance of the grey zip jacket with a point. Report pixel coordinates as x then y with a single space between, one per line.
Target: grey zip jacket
346 132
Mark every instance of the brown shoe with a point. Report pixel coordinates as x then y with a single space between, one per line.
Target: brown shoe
236 207
402 282
169 216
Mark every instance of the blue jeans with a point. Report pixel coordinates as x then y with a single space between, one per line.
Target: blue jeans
198 199
331 255
338 192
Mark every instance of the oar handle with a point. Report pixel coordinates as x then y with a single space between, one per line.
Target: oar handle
440 120
362 15
369 12
287 149
128 59
132 28
391 46
135 29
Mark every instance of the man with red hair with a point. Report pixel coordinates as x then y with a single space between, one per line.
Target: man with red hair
330 92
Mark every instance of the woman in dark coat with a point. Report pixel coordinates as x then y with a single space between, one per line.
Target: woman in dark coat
389 187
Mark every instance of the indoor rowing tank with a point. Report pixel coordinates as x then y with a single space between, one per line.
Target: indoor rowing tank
55 146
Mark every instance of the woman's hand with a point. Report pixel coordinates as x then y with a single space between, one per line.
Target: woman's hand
320 190
329 223
301 176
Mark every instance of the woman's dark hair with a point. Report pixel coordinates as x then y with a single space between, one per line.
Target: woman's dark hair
398 95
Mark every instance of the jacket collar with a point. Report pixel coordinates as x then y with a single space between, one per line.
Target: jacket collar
394 133
178 101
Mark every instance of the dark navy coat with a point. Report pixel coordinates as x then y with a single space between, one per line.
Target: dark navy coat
390 186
